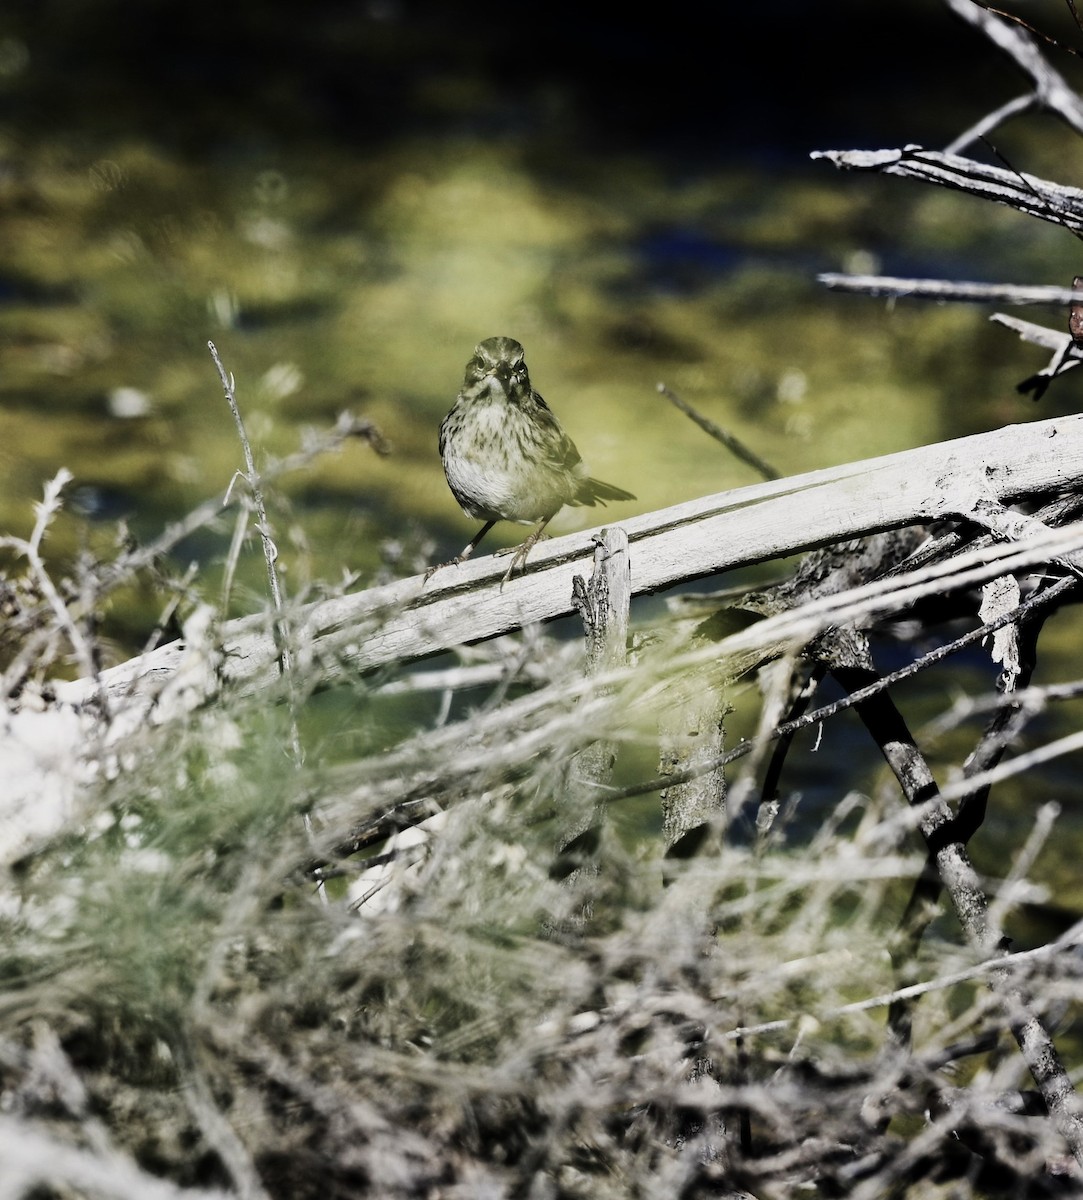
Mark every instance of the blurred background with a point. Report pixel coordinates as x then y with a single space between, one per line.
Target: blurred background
346 196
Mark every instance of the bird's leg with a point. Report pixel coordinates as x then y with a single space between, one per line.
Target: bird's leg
467 551
519 559
473 544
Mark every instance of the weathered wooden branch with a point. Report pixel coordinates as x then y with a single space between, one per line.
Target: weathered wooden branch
604 600
1041 335
411 619
692 734
1051 90
604 603
1066 354
1027 193
950 289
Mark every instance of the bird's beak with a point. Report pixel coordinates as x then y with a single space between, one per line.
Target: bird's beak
499 377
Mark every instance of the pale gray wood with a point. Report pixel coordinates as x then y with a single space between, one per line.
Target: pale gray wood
951 289
1027 193
1039 335
412 619
604 603
1051 90
692 735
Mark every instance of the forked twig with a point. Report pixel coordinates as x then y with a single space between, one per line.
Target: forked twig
30 549
270 553
263 524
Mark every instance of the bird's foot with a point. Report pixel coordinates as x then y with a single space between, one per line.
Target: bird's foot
464 554
519 555
451 562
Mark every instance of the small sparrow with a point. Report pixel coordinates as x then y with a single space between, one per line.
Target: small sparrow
505 455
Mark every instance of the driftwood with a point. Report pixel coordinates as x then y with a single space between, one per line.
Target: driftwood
408 620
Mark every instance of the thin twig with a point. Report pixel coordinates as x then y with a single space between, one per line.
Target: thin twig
978 971
346 428
1016 766
951 289
991 121
836 706
733 444
1008 892
46 509
263 524
270 555
1033 699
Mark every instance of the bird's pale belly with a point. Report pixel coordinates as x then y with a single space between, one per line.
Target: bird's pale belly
496 469
523 493
506 456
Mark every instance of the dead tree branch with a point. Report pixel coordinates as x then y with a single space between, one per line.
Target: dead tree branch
409 619
1027 194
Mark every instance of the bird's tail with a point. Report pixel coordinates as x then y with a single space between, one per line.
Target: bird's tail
594 491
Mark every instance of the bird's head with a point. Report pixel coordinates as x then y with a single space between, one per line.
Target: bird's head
497 368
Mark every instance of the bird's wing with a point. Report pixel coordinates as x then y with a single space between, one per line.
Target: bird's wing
560 450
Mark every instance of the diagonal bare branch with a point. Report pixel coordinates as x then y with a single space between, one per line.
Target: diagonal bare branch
1050 87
